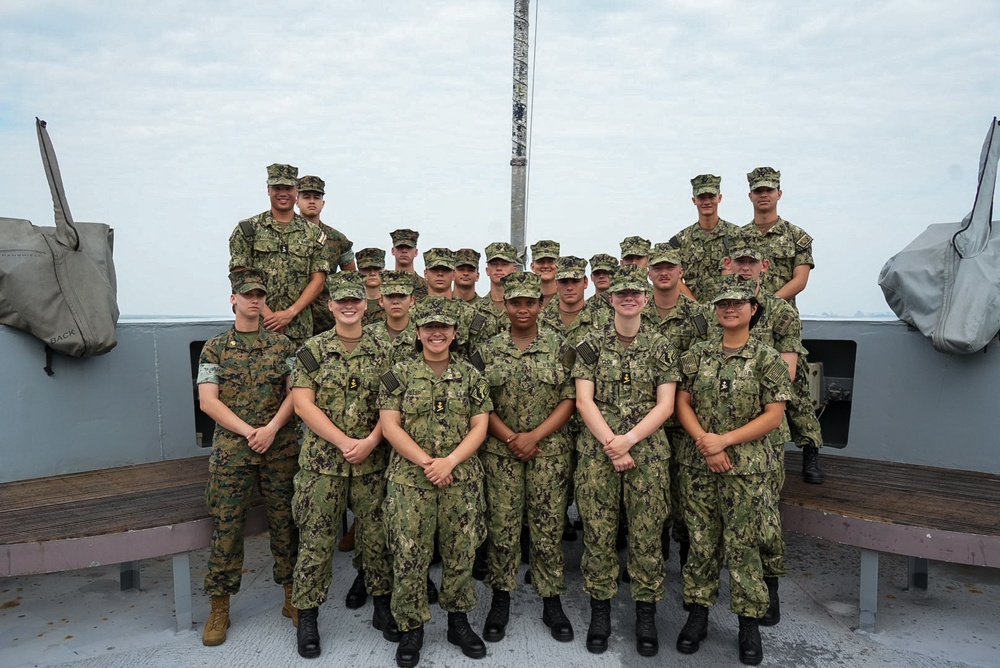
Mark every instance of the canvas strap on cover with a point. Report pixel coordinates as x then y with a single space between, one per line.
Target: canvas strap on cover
58 283
946 283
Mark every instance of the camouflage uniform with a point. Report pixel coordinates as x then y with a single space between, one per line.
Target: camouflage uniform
487 321
287 254
346 387
252 383
739 507
702 252
526 387
435 412
786 246
625 383
367 258
601 302
338 254
404 237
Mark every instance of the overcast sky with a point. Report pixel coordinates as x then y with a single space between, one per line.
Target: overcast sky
165 114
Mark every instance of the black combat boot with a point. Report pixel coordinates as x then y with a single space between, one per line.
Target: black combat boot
432 591
357 595
811 471
497 618
694 631
600 626
461 634
382 618
773 614
307 634
751 651
646 642
410 644
554 618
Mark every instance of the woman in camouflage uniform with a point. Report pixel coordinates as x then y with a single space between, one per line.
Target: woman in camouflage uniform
731 402
527 457
626 377
343 458
435 412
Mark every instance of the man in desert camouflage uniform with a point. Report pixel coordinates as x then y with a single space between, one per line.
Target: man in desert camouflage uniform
343 458
288 250
625 374
338 247
467 274
544 255
702 245
601 266
635 250
371 262
242 385
404 249
434 412
527 457
724 390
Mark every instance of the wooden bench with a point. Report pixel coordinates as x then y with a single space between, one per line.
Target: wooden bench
112 516
920 512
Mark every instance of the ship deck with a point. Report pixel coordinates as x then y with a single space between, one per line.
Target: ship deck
82 619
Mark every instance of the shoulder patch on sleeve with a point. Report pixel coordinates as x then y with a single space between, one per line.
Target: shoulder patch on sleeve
569 358
775 372
476 360
308 360
478 322
246 227
390 381
783 322
804 241
689 363
586 352
674 242
480 390
700 323
322 238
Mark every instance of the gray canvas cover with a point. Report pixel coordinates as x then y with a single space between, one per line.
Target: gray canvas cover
58 283
946 283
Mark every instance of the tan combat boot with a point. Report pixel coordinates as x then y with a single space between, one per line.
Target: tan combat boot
289 610
218 622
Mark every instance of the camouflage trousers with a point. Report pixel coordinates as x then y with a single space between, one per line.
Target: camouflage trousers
678 530
772 550
413 515
802 420
228 496
739 514
318 505
646 491
536 491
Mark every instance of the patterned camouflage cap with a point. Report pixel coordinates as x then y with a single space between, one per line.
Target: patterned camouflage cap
501 250
439 257
734 286
404 237
370 257
434 309
764 177
629 277
545 248
740 247
312 184
664 252
706 183
282 175
467 256
245 280
396 282
635 246
571 266
603 262
522 284
346 285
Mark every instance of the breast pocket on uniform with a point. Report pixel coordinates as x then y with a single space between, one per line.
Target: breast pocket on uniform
607 380
416 403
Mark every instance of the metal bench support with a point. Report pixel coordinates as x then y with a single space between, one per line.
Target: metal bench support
182 591
129 575
869 590
916 573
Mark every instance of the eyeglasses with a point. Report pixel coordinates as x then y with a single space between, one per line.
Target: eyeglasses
734 304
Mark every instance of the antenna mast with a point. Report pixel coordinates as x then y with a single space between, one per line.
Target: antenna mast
519 131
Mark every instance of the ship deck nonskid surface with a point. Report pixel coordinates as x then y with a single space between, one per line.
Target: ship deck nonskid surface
80 618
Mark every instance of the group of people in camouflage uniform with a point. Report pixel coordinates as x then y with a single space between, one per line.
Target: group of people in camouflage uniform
462 427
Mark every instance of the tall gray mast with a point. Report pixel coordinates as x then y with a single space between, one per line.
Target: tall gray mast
519 132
